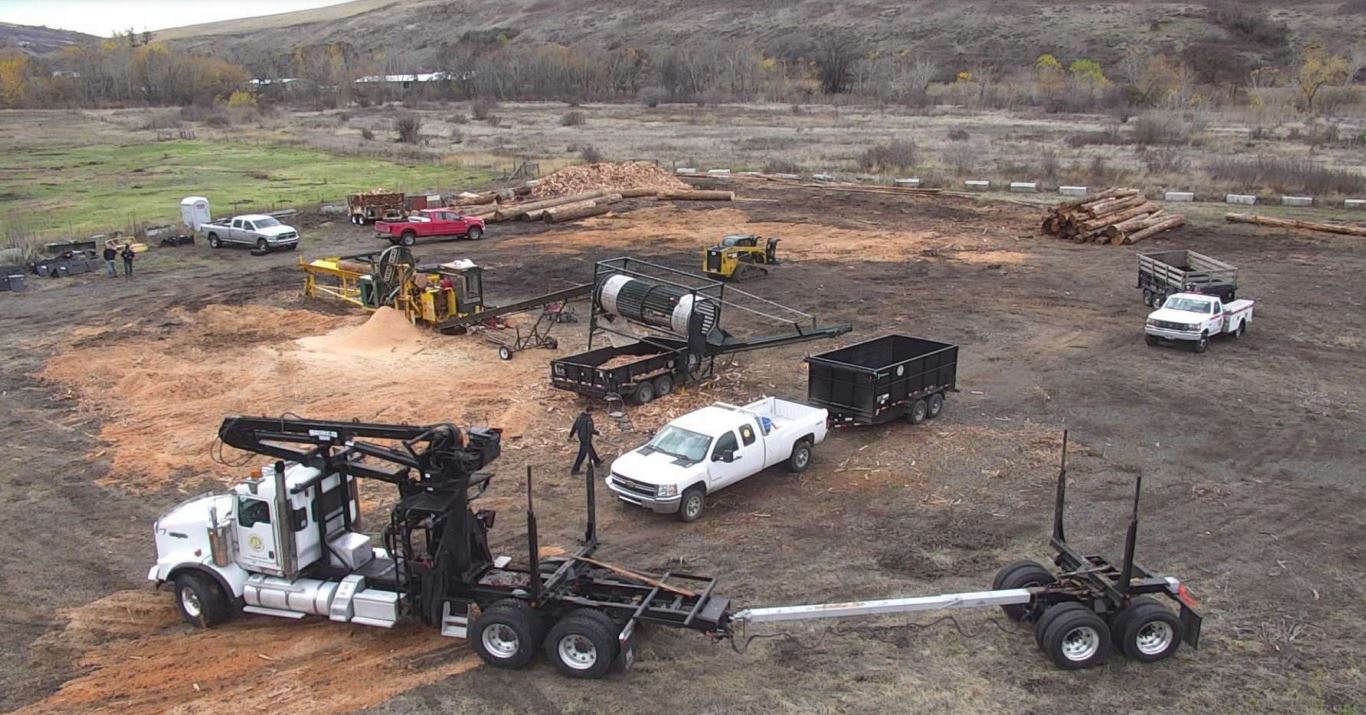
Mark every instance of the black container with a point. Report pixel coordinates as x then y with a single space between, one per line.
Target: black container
882 379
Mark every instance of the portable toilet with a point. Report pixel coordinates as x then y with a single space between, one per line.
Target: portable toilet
194 211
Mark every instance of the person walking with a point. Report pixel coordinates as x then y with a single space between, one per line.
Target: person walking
109 255
127 260
583 429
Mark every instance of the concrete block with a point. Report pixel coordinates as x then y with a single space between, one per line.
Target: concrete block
1297 201
718 172
1355 203
822 177
912 182
1072 190
787 176
685 170
1178 196
1024 187
751 173
977 184
1245 199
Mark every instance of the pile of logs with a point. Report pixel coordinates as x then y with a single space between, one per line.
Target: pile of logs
1119 216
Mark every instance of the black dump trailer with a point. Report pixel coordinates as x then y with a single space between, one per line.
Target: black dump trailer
1180 271
638 372
883 379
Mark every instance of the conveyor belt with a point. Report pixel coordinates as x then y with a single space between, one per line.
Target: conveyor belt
578 291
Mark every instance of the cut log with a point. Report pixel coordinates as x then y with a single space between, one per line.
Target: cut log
540 214
1143 209
557 215
1338 228
508 212
639 193
1166 224
697 195
1093 198
1110 206
473 209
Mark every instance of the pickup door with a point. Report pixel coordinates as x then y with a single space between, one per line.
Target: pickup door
747 456
242 231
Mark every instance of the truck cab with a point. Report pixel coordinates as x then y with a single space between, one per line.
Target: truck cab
1195 318
712 448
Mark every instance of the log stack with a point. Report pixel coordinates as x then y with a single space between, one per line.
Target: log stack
1118 216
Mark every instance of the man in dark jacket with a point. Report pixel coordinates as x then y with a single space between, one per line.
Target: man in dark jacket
583 429
109 255
127 260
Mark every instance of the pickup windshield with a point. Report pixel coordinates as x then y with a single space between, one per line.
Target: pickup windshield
1189 305
266 222
681 443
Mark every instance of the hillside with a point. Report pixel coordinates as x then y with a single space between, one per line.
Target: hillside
40 40
966 32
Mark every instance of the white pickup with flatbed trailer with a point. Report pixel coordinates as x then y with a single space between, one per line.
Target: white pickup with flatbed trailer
1197 317
712 448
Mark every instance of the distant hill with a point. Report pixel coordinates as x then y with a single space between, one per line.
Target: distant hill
961 32
40 40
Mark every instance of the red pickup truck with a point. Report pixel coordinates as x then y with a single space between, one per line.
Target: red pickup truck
430 222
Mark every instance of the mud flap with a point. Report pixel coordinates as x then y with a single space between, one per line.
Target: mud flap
626 649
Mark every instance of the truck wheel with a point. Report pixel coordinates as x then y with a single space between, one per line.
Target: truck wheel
1045 620
692 504
1202 344
583 644
1147 297
1147 631
1242 326
507 634
800 458
475 233
1150 339
262 246
663 385
200 600
936 405
214 242
504 353
408 238
1021 574
645 392
1076 639
918 412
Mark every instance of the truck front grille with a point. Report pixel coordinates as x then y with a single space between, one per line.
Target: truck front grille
634 487
1167 325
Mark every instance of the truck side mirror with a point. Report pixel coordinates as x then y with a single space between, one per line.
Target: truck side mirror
728 456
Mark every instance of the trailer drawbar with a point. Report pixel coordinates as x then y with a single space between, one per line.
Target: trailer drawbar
288 544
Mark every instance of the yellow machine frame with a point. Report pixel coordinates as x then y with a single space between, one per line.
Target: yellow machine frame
739 258
428 294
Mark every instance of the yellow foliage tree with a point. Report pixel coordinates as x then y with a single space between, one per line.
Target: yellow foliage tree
1317 70
14 87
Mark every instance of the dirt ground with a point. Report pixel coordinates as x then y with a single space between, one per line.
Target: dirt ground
113 390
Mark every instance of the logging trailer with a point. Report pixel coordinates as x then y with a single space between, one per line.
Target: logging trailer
289 545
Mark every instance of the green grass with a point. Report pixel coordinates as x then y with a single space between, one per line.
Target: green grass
86 189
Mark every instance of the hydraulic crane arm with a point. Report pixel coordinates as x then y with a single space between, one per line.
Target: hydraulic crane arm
442 455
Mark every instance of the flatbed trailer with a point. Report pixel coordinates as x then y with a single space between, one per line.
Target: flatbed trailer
1163 273
883 379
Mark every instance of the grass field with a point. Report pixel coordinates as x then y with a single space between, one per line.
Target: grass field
84 189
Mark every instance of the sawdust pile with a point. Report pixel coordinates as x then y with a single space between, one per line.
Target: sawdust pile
141 658
162 390
606 177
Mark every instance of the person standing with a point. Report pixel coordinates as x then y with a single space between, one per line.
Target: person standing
583 429
109 255
127 260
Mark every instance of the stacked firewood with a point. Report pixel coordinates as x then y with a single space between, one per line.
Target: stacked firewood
1120 216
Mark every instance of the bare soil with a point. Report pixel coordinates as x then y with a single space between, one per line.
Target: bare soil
113 390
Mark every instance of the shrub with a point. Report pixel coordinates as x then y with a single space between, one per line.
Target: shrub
781 166
573 119
1287 176
652 96
457 118
962 158
1167 160
590 154
366 134
958 135
1048 163
343 118
409 128
457 136
1162 129
899 154
482 109
241 99
1104 137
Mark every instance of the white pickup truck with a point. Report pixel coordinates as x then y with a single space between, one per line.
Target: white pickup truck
712 448
264 233
1195 317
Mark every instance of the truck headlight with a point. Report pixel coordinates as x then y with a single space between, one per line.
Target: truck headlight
1152 323
666 490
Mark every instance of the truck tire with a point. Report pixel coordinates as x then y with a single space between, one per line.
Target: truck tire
663 385
936 405
1202 344
504 352
408 238
475 233
691 506
1021 574
918 412
507 634
1147 297
800 459
645 392
1147 631
583 644
1150 339
1242 327
262 246
1045 620
214 242
1076 639
200 599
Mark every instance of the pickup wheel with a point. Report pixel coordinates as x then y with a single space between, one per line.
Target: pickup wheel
262 246
507 634
1150 339
583 644
936 405
692 504
918 412
645 392
408 238
800 458
1238 332
1147 297
200 600
475 233
214 242
1202 344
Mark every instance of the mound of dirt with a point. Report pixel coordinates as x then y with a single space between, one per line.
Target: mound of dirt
387 331
606 177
